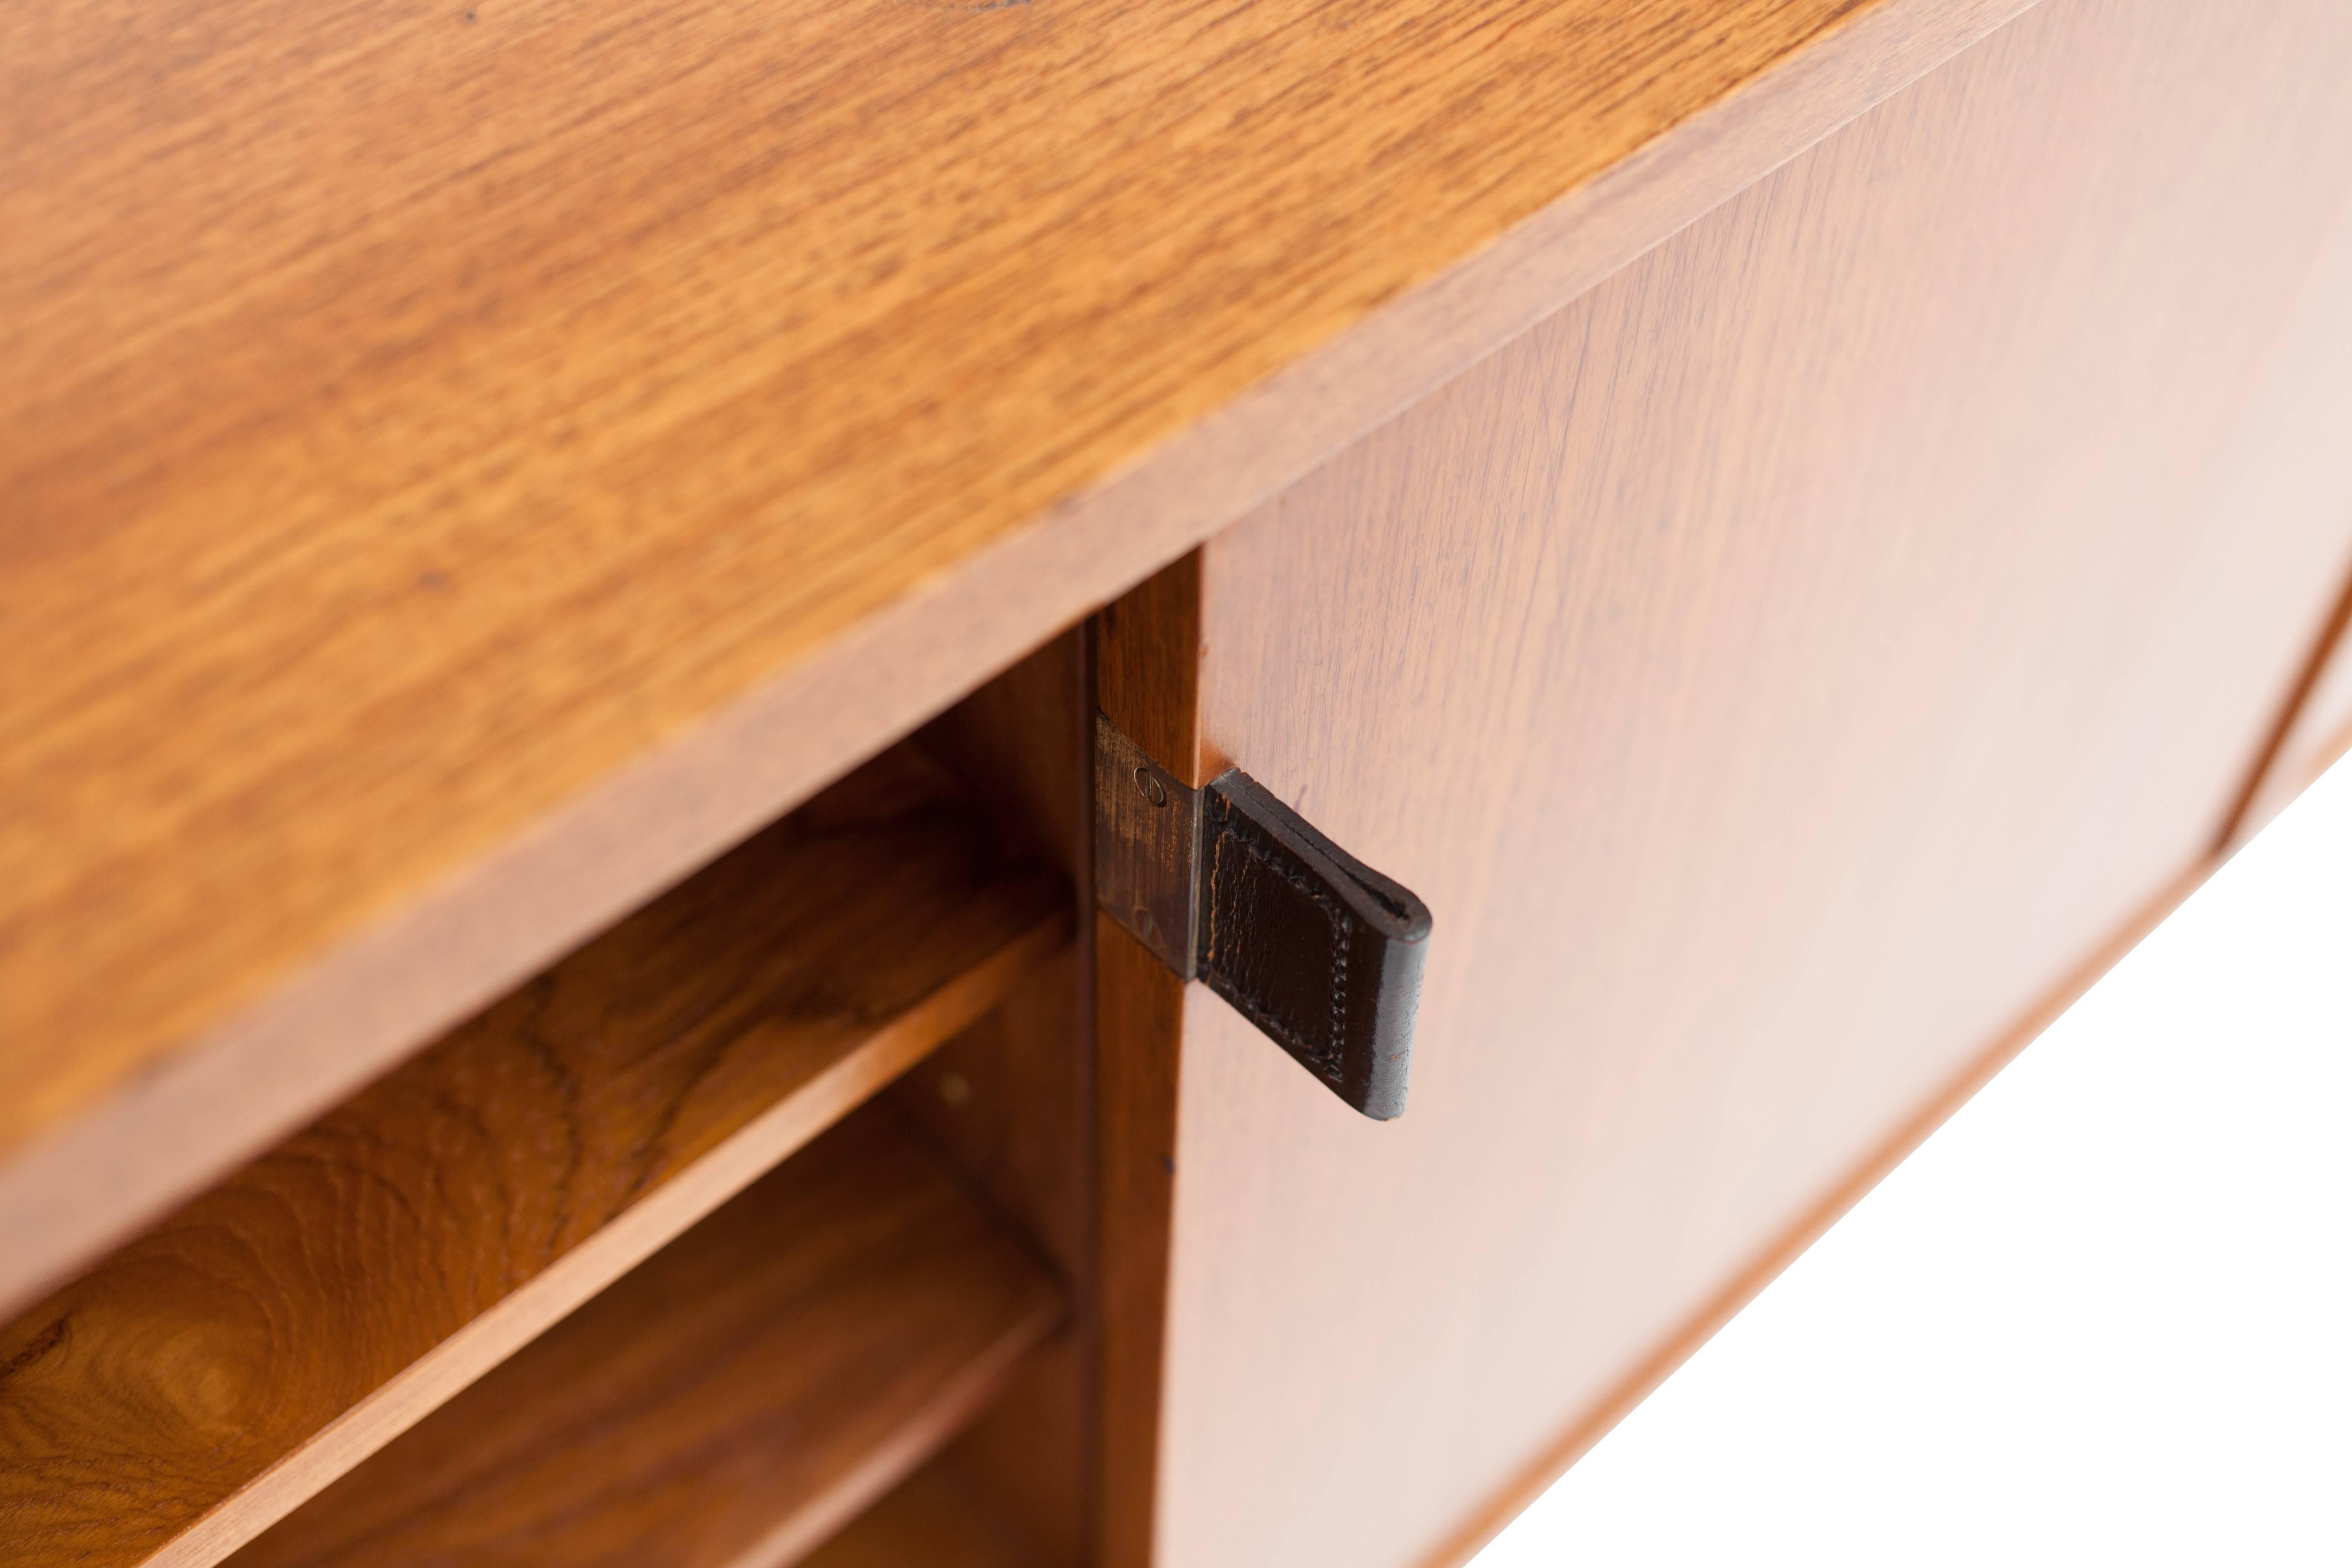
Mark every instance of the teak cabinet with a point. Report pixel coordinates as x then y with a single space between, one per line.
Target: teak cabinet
560 574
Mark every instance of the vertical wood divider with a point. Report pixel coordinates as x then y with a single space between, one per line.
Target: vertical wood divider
1147 681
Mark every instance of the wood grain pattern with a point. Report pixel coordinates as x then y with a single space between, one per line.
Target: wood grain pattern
464 467
1011 1100
1148 656
1140 1019
213 1373
1030 1458
1776 672
931 1519
729 1405
1749 1281
1020 744
2291 463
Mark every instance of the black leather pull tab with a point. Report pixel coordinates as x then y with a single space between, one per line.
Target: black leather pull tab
1309 943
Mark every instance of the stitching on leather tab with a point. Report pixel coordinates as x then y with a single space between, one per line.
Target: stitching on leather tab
1328 1058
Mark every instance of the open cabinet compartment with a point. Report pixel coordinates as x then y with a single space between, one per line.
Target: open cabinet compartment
730 1403
757 1325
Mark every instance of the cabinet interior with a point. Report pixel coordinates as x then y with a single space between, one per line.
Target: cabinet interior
757 1230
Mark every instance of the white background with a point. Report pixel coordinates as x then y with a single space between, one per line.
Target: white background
2104 1315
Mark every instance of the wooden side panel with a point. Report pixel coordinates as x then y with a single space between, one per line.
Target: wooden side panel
729 1405
2291 465
2318 735
213 1372
1777 671
2313 729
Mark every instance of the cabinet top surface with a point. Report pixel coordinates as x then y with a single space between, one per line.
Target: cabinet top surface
419 412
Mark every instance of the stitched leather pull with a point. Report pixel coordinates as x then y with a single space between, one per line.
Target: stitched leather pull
1228 884
1309 943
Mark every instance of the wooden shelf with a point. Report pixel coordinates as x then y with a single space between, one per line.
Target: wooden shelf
210 1375
729 1405
929 1520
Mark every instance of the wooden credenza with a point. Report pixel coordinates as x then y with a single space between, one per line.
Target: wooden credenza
559 568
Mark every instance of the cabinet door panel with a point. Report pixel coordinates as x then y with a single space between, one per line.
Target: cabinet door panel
2313 736
1776 672
2291 464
